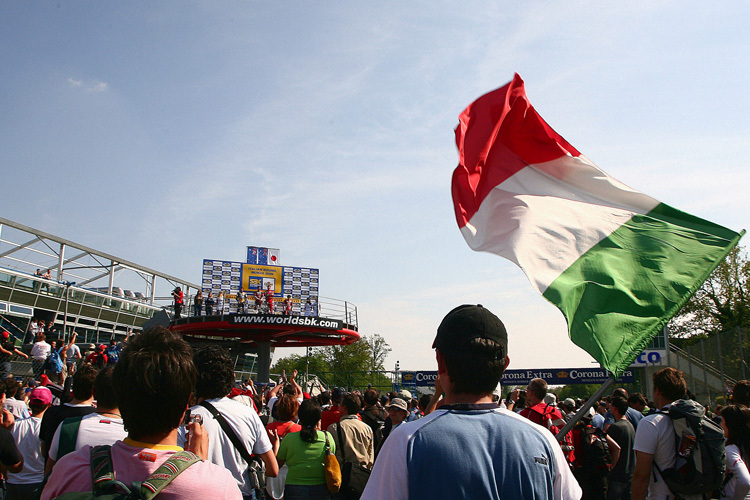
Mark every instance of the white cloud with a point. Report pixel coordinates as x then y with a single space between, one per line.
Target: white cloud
97 86
88 86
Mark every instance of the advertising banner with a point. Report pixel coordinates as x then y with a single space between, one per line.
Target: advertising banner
256 276
274 319
299 283
553 376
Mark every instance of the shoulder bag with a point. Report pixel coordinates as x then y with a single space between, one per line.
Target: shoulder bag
256 467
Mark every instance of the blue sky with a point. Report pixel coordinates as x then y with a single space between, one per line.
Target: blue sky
167 133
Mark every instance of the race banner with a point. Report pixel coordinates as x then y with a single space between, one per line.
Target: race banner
553 376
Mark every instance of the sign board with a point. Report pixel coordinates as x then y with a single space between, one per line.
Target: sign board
656 352
300 283
409 379
553 376
650 357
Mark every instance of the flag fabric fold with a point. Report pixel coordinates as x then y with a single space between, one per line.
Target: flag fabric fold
617 263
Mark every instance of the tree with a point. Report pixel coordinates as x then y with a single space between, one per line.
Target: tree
299 363
575 391
352 366
721 303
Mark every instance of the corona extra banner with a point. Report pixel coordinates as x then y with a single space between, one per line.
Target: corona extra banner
553 376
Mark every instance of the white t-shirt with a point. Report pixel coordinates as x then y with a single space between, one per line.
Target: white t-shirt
17 408
740 475
95 429
26 434
221 451
40 350
655 435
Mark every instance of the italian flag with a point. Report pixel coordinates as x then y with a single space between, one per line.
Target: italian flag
617 263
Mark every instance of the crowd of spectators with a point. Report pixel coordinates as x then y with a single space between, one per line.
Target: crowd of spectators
156 400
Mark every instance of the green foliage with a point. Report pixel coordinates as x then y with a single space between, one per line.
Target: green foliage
721 303
575 391
351 366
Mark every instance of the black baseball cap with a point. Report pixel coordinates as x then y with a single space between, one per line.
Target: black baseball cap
468 322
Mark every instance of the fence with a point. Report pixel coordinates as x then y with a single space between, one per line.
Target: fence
712 365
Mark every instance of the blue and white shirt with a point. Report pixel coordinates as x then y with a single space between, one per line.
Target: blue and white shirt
471 451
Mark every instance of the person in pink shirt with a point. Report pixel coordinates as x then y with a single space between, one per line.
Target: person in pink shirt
153 382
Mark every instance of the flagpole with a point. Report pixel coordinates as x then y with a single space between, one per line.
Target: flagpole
585 408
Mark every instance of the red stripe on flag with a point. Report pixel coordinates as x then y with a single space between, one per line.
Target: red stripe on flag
499 134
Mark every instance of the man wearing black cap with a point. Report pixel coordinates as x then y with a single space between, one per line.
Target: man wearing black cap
469 447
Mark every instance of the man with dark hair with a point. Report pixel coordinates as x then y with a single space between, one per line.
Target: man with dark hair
655 437
548 416
104 426
7 350
332 414
153 382
374 415
9 400
469 447
214 383
353 437
622 431
80 405
633 415
741 393
637 402
178 300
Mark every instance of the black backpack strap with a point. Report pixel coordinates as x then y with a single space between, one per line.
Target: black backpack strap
228 431
342 441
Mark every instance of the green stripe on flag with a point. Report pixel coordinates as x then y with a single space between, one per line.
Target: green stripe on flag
620 293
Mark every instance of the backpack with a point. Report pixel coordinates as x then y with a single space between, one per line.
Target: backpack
113 354
55 363
377 424
545 420
699 447
596 454
106 487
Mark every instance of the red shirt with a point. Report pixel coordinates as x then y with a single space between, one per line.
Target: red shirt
283 428
330 416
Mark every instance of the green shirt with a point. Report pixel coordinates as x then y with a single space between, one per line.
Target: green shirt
305 460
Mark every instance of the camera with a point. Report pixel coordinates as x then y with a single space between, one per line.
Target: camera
189 417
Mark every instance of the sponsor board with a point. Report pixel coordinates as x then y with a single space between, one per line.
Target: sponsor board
650 357
230 277
553 376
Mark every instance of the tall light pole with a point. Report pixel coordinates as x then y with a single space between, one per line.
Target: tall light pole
68 284
307 367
